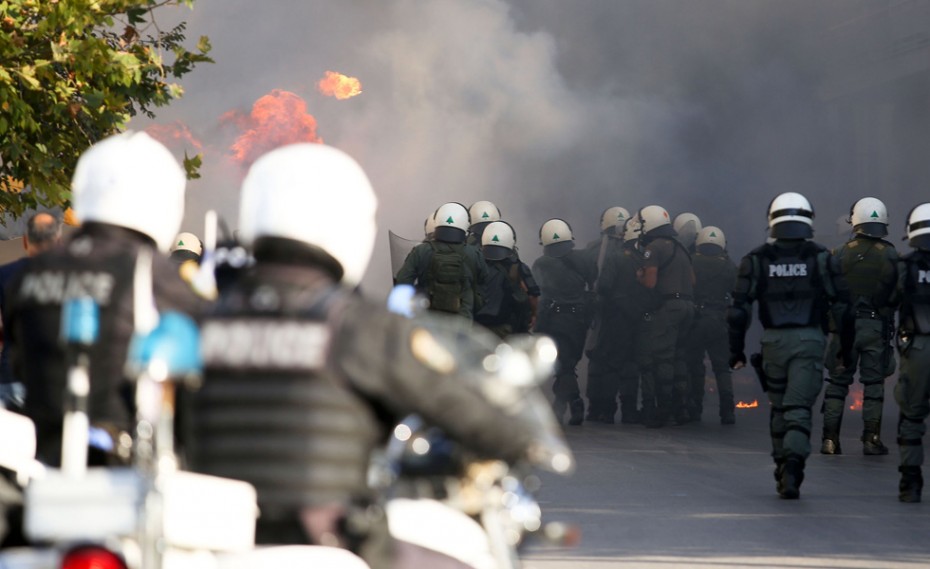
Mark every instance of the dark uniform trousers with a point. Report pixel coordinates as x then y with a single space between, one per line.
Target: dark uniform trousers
667 333
913 396
612 368
874 358
709 335
793 365
567 325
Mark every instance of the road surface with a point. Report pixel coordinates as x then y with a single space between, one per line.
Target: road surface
703 495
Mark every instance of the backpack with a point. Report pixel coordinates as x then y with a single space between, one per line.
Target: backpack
446 278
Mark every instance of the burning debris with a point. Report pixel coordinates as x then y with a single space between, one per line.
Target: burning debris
340 86
276 119
744 405
174 134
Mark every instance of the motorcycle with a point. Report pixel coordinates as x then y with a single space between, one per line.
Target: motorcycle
445 499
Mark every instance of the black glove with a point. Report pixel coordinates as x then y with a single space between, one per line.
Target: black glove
736 359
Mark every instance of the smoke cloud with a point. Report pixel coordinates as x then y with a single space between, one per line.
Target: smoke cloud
560 109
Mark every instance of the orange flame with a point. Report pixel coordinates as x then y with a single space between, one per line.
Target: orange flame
174 133
742 405
340 86
277 119
856 401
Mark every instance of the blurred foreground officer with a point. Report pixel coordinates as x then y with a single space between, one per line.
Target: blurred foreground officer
913 389
511 295
43 231
128 192
304 378
714 277
450 272
869 264
565 277
667 271
796 282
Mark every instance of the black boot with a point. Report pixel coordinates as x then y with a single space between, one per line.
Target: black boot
779 473
791 478
912 482
872 445
576 411
831 443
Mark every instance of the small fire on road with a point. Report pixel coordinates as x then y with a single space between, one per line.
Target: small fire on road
744 405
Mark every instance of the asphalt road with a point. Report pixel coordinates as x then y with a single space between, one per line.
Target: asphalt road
703 495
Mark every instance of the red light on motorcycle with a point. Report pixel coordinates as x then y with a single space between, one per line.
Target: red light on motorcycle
92 558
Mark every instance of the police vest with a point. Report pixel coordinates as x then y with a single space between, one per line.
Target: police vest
714 278
272 412
790 289
869 271
915 306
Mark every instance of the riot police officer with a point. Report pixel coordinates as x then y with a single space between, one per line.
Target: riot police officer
450 272
481 213
615 356
565 278
796 282
128 192
687 227
869 264
714 276
511 295
913 389
320 376
667 271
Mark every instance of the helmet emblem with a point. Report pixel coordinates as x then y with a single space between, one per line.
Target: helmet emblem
713 233
495 239
181 243
874 214
555 236
450 220
485 215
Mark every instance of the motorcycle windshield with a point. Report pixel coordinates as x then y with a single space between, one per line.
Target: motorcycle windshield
510 374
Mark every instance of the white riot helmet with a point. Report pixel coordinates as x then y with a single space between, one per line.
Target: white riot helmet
687 226
918 226
711 240
614 216
869 216
498 240
556 237
306 192
187 242
429 226
632 229
483 212
452 222
131 180
791 217
653 217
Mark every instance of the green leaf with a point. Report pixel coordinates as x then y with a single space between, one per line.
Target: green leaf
192 165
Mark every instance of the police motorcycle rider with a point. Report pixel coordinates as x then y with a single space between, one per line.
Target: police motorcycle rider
714 276
566 277
912 391
304 378
450 272
667 272
481 214
511 295
128 193
796 283
869 264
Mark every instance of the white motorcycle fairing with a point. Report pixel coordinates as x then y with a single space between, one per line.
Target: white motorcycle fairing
435 526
